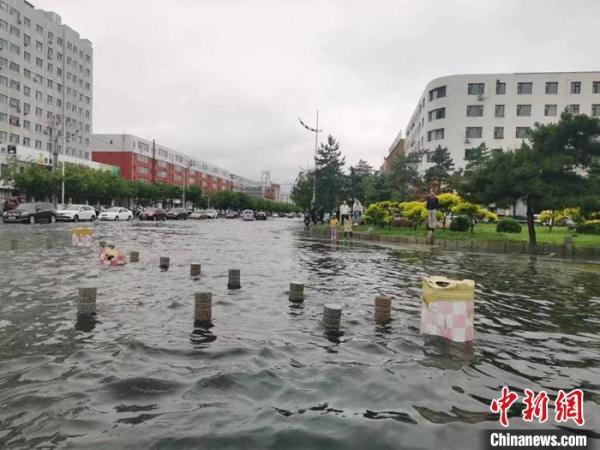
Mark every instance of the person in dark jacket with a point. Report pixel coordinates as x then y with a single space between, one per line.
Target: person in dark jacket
433 204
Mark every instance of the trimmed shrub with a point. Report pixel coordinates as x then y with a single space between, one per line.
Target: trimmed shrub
589 227
460 223
402 222
508 225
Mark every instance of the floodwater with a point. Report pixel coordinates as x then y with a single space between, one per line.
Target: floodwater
267 375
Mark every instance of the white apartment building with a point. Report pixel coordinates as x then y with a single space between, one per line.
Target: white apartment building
45 82
461 112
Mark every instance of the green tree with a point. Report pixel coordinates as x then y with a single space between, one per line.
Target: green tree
440 171
469 210
301 193
553 168
330 178
405 179
447 202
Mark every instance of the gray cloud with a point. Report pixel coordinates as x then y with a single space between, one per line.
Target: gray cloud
226 80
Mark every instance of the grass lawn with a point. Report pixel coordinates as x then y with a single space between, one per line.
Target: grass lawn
487 231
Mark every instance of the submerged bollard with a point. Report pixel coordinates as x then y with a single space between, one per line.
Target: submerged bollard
134 257
195 269
332 315
383 309
429 240
102 244
296 292
569 246
164 263
202 308
234 279
14 244
86 304
49 243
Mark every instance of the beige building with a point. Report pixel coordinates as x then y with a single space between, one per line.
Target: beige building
396 149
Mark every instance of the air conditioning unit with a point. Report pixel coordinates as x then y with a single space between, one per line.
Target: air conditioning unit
467 141
19 22
481 97
26 44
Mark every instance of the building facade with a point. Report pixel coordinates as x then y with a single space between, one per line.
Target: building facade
142 159
396 150
46 82
461 112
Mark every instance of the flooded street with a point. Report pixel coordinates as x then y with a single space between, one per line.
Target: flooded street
267 375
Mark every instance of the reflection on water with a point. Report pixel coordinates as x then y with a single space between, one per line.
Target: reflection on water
267 374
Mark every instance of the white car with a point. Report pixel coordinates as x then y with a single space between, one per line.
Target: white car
247 215
75 213
116 213
212 213
199 214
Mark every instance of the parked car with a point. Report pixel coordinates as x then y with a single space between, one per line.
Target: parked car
199 214
231 215
75 213
247 215
116 213
212 213
153 214
260 215
31 212
290 215
177 214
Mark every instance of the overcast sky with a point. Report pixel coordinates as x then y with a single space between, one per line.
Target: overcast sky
227 80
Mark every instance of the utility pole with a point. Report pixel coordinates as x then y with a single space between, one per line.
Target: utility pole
316 131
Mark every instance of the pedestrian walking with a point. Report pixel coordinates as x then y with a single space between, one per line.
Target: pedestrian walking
347 227
333 223
433 205
344 212
357 211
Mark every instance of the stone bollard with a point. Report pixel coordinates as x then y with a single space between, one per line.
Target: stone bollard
234 279
134 257
14 244
49 243
164 263
296 292
332 315
569 246
383 309
102 244
86 304
195 269
202 308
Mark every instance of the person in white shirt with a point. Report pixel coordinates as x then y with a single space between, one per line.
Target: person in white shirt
357 210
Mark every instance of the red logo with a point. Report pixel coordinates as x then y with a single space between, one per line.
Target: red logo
567 406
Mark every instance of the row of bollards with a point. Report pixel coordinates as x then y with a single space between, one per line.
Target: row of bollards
332 314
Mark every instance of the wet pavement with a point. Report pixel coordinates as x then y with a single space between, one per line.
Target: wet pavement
267 375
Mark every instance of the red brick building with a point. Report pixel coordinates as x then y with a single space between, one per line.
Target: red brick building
140 159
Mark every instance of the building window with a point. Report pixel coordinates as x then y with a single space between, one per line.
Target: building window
475 88
435 135
474 110
552 87
525 88
498 132
474 132
573 109
38 145
522 132
500 87
437 93
550 110
575 87
523 110
596 87
437 114
595 110
499 111
26 142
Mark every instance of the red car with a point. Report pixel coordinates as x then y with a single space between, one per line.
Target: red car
153 214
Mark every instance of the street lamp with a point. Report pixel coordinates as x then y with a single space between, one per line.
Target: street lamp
316 131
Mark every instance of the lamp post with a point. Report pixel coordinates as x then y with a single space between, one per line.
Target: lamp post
316 131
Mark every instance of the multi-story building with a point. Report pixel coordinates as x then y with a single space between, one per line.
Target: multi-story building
143 159
461 112
396 150
45 82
